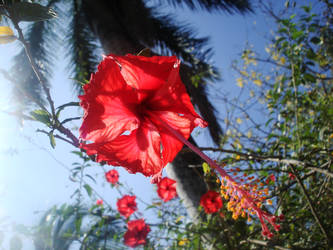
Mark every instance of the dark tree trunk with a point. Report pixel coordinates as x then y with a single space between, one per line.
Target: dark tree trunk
185 169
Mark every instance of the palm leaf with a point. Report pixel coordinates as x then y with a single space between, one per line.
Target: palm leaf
82 47
230 6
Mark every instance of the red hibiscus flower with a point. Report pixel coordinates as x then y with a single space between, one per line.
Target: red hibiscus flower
112 176
211 202
126 104
99 202
270 178
166 189
137 231
291 176
127 205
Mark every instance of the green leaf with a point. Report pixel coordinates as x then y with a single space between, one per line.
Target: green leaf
31 12
280 39
52 140
311 54
91 178
88 189
292 16
309 78
150 207
297 34
206 168
42 116
307 9
70 104
78 153
78 223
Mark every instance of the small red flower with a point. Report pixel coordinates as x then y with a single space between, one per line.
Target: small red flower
211 202
166 189
127 205
291 176
112 176
99 202
137 231
125 104
271 178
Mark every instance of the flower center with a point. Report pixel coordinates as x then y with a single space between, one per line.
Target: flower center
141 110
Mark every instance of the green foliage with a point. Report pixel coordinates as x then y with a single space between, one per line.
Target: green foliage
216 5
294 141
88 189
41 116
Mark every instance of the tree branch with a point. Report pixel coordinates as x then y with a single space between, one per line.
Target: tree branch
263 243
277 159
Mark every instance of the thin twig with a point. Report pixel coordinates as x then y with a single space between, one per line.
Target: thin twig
71 119
264 243
64 139
277 159
323 171
313 211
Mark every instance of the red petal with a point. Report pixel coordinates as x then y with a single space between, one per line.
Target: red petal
145 73
166 189
108 117
106 103
170 144
136 233
107 78
137 152
172 96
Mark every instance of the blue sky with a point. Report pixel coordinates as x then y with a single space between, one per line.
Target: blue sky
32 180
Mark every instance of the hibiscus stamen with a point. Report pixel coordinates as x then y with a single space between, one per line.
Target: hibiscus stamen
242 198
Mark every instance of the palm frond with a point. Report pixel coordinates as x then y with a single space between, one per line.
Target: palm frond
230 6
82 47
42 39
